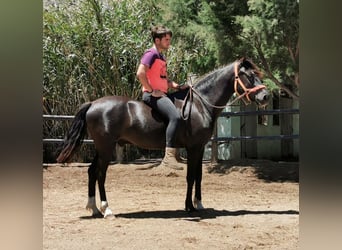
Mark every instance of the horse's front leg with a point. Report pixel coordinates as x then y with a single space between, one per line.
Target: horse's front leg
198 181
91 205
198 194
190 182
194 157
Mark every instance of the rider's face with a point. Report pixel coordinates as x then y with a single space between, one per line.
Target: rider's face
164 43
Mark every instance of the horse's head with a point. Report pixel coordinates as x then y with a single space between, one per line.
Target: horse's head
248 83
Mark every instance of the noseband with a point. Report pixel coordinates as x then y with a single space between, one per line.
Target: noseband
247 91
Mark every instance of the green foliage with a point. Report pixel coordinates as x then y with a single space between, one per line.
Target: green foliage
226 30
272 29
91 48
194 45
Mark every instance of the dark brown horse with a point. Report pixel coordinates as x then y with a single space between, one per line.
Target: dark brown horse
117 119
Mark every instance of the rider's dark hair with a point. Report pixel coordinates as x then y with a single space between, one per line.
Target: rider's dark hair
159 31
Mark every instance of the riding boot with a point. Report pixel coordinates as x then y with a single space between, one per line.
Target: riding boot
169 159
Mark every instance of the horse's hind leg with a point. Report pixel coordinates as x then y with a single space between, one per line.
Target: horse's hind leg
101 178
91 205
101 172
97 172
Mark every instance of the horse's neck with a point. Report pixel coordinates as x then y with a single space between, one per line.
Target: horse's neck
218 92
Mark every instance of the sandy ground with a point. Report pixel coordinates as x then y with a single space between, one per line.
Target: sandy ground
250 204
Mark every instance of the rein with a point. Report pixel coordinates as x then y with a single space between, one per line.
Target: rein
188 96
237 82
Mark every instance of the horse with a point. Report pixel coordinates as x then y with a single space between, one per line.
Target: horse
118 119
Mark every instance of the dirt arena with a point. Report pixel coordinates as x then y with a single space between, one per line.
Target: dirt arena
250 204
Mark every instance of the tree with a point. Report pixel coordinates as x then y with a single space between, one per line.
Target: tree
195 48
227 30
91 49
272 29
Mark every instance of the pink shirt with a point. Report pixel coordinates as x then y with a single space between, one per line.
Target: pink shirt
157 73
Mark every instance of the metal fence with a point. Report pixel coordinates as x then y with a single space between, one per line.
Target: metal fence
214 138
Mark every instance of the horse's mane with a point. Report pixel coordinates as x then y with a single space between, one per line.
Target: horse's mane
248 63
210 74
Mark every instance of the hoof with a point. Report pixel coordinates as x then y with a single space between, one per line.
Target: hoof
109 217
91 205
95 212
108 214
198 204
190 208
97 215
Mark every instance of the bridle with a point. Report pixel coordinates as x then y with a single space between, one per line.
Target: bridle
237 82
247 91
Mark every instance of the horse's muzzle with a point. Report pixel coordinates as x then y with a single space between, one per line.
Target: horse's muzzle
262 97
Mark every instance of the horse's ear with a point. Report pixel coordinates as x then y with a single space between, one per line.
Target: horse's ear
247 63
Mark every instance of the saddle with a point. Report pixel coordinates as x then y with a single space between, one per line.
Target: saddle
181 105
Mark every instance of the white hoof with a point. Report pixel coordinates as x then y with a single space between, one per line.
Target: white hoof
108 213
106 210
198 204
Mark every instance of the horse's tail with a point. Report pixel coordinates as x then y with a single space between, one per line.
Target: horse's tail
75 135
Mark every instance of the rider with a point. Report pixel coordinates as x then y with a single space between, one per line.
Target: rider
152 74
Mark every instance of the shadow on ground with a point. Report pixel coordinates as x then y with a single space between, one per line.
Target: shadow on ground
196 216
209 213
